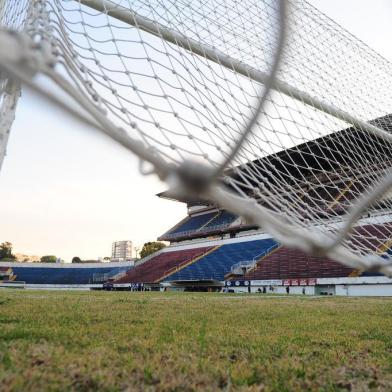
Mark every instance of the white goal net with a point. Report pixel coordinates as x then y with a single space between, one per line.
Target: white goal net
266 108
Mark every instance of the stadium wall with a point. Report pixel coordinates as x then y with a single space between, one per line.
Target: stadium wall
364 286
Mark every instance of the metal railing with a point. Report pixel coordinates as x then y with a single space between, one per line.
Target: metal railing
248 264
103 277
198 231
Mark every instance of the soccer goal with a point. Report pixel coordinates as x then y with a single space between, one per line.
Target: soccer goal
267 108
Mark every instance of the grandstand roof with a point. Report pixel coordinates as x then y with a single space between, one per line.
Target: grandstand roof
190 201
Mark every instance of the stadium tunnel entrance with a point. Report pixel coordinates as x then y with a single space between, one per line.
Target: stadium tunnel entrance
325 289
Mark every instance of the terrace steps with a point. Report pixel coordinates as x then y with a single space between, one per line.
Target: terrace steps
217 264
232 275
355 273
384 246
288 263
186 263
341 194
273 250
154 269
208 222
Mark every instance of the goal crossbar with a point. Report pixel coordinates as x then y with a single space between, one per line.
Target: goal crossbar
132 18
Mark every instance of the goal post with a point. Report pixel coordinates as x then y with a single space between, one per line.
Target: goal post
9 94
11 16
132 18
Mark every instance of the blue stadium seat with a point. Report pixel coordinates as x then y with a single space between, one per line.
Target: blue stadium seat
42 275
194 223
218 263
224 218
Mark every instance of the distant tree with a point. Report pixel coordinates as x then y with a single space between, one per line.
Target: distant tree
77 259
151 247
6 252
48 259
106 258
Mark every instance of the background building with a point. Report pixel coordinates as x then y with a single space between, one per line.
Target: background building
122 250
22 258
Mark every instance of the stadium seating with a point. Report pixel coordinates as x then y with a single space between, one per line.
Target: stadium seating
326 198
194 223
159 266
224 218
285 263
321 200
372 237
346 197
201 224
217 264
62 275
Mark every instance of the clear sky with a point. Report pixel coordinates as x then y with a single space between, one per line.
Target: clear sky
71 192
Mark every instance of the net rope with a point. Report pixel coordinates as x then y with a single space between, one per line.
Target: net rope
268 109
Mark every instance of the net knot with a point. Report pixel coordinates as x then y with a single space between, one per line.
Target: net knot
17 50
192 178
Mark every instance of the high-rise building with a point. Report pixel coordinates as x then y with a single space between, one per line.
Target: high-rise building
122 250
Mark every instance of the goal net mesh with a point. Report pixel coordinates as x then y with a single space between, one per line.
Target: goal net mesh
266 108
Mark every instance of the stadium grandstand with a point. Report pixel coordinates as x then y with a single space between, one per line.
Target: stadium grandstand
48 275
212 249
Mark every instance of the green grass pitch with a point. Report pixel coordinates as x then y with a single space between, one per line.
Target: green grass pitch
113 341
